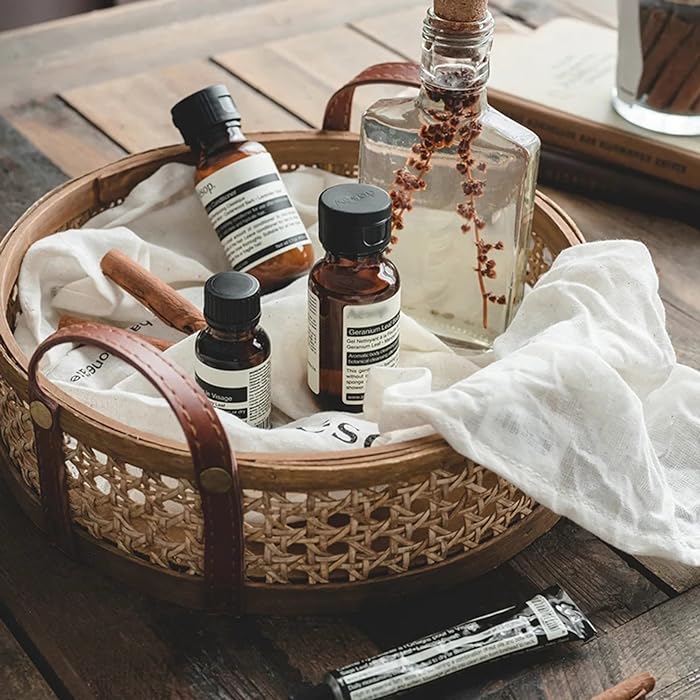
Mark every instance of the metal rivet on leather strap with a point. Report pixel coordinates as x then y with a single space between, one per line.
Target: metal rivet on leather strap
40 414
215 480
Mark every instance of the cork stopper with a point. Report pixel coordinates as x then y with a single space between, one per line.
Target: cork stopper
461 10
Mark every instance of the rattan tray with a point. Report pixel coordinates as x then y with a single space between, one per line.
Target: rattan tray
323 532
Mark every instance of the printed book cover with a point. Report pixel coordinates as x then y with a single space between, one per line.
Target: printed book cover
557 80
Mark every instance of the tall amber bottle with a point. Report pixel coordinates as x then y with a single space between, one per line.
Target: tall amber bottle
241 189
354 299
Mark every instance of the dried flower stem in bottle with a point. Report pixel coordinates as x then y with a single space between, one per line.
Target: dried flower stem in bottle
457 122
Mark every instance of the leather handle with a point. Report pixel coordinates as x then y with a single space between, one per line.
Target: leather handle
216 473
338 110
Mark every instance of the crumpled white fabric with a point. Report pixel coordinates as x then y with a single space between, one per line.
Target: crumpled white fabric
581 403
584 407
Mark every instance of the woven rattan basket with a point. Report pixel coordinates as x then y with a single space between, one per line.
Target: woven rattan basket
320 532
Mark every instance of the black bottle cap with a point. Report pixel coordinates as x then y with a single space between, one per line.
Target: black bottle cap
354 219
231 300
203 109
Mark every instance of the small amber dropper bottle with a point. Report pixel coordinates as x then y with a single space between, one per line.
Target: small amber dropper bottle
241 189
232 354
354 300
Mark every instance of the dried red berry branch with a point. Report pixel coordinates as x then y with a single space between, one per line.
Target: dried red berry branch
458 121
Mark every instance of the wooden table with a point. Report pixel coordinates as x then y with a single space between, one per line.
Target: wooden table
80 92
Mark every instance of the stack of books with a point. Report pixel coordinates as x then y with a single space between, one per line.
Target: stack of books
558 80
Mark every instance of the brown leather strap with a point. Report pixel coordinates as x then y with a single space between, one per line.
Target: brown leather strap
216 474
337 116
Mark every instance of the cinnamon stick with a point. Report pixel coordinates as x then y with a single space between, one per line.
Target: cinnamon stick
68 320
676 72
651 28
688 97
169 306
633 688
674 33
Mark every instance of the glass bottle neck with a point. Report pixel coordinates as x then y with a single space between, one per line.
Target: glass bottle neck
220 137
455 62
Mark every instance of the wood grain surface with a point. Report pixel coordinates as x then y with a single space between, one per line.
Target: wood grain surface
19 678
65 67
288 70
57 130
25 174
147 123
80 92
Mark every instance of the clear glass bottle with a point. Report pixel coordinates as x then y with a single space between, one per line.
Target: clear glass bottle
462 180
658 71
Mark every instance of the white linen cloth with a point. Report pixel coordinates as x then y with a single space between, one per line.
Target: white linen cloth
581 403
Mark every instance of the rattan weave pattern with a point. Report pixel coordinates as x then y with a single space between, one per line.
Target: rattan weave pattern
314 537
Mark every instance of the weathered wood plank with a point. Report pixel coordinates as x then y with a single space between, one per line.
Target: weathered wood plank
103 641
63 135
288 70
608 590
316 645
664 641
400 30
25 175
71 33
135 111
198 37
674 246
684 331
19 678
398 623
678 576
687 688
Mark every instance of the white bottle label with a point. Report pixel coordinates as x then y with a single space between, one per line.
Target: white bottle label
313 336
246 393
370 339
250 209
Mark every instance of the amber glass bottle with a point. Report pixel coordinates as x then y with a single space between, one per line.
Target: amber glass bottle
354 299
241 190
232 355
